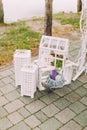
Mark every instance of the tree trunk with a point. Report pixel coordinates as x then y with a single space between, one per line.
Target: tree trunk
48 18
1 11
79 5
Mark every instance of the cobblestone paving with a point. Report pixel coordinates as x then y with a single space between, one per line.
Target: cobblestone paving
63 109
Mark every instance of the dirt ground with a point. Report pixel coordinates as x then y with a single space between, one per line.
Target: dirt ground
58 30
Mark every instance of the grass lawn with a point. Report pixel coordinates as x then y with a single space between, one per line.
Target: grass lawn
20 36
68 18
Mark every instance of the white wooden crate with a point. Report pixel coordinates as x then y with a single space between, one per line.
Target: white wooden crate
21 57
29 80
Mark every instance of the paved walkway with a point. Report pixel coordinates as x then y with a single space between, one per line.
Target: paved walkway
63 109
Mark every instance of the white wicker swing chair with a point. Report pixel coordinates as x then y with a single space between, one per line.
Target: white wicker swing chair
81 59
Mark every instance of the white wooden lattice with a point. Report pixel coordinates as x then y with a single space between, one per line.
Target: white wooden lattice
53 49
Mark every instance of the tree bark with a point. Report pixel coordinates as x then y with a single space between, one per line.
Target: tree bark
48 18
1 11
79 5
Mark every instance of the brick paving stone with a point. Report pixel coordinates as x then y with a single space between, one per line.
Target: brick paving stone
35 106
26 100
32 121
3 112
6 80
1 93
41 116
13 83
75 84
77 107
81 91
20 126
24 112
5 124
50 110
1 83
85 128
84 100
36 128
6 73
15 117
35 113
63 91
7 88
49 98
83 78
12 76
85 86
82 118
50 124
75 49
72 97
3 100
12 95
18 89
71 126
44 93
12 68
62 103
13 106
38 94
0 76
65 115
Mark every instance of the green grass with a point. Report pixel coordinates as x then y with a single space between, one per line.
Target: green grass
17 38
74 22
20 36
37 18
68 18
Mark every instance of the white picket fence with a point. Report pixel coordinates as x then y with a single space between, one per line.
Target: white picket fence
15 10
